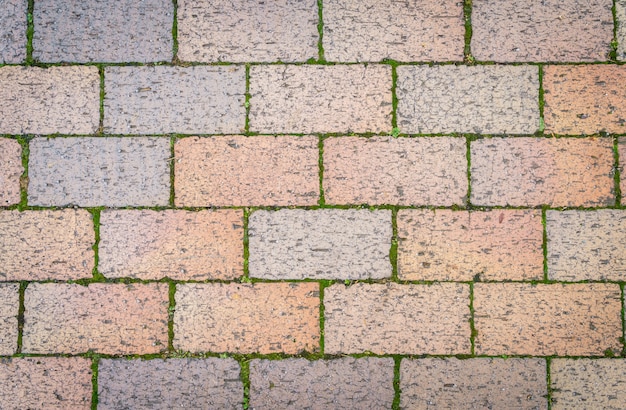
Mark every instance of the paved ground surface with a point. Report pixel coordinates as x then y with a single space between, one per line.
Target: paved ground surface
312 204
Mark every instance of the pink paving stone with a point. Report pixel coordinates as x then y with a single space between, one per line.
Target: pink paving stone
13 31
11 170
620 22
9 309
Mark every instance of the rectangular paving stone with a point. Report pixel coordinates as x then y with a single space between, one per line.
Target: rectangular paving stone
547 30
585 99
542 171
260 318
247 31
9 308
397 319
620 25
185 100
64 100
320 244
320 98
461 246
13 31
94 30
46 244
173 383
45 383
476 383
472 99
107 318
344 383
95 171
621 150
11 170
402 171
245 171
588 383
375 30
581 319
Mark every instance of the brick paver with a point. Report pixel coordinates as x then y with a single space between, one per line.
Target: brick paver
9 306
402 171
11 170
102 317
397 319
244 171
173 383
461 245
536 171
46 244
320 244
474 383
479 99
345 383
13 31
543 320
244 318
177 244
620 17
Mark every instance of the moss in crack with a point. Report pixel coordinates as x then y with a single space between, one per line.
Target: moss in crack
172 162
20 316
614 42
247 102
548 382
95 215
544 246
320 146
542 125
245 379
175 32
394 98
320 30
246 246
472 324
396 382
95 361
100 130
616 172
24 143
30 31
171 309
467 15
393 250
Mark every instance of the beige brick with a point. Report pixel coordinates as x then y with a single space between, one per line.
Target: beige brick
346 98
52 100
397 319
245 171
473 383
13 31
167 384
402 171
45 383
621 150
374 30
242 318
9 307
543 320
585 99
95 171
345 383
46 244
542 171
473 99
620 23
245 31
320 244
93 30
104 318
588 383
460 245
547 30
11 170
186 100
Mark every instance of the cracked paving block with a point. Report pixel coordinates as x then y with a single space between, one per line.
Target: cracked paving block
13 31
11 170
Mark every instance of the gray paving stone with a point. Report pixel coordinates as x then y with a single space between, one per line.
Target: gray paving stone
13 31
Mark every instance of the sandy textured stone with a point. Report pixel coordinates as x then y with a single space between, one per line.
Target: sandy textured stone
320 244
186 100
98 171
11 170
588 383
374 30
402 171
320 98
178 244
245 171
13 31
45 383
46 244
473 99
345 383
585 99
537 171
542 320
547 30
620 23
243 318
397 319
460 245
621 149
167 384
476 383
9 307
104 318
245 31
63 100
95 30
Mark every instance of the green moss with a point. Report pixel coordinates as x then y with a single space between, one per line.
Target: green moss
30 31
467 15
175 32
247 102
396 382
96 275
473 330
20 316
172 162
246 246
542 125
94 382
393 250
320 146
170 316
245 379
320 31
544 246
616 173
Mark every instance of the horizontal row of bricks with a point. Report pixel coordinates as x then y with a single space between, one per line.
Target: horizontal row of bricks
358 383
487 99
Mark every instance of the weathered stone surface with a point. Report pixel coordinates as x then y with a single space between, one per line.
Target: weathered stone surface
9 308
94 171
10 171
13 31
345 383
473 99
403 171
620 17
